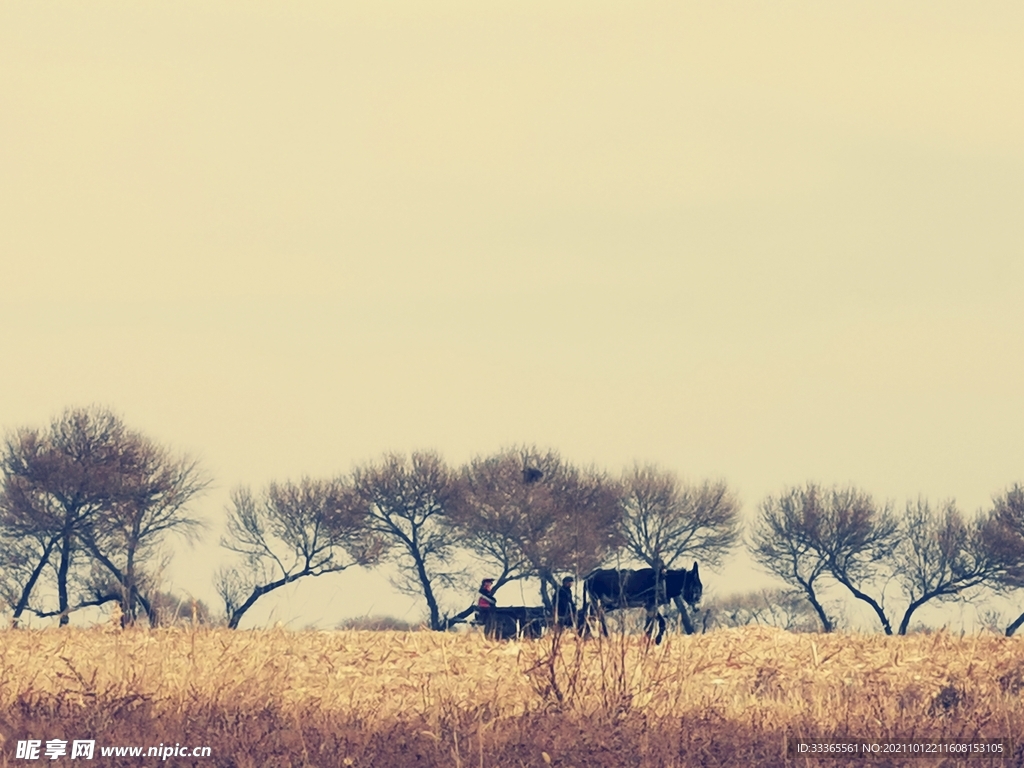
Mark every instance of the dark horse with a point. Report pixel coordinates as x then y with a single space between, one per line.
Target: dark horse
610 590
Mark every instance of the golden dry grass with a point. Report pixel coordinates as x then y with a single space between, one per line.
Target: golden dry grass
419 698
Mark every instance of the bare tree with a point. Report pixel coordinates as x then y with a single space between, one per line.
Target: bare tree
54 484
784 541
577 526
665 520
532 515
1003 536
491 513
289 532
408 502
64 488
939 556
152 502
857 538
931 554
842 534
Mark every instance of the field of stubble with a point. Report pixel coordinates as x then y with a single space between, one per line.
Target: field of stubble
283 698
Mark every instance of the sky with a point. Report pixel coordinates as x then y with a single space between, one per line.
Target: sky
770 243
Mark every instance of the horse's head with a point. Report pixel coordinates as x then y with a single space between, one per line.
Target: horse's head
693 590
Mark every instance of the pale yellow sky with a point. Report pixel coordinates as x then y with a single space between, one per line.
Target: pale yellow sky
769 242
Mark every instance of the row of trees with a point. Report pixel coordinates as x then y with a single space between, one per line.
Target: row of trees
89 502
813 537
86 506
521 514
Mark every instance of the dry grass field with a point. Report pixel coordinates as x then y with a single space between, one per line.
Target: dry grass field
348 698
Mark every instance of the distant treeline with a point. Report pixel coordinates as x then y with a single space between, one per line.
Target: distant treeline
87 506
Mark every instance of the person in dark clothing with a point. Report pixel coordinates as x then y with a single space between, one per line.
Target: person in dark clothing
486 598
565 606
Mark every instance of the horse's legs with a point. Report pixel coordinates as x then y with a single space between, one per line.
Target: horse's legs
654 615
661 628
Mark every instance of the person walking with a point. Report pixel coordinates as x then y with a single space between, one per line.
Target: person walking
565 605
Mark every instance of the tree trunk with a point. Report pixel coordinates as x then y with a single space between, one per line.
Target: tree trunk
910 610
1013 627
133 597
459 618
26 593
545 595
826 623
257 593
129 612
122 580
869 600
62 579
428 592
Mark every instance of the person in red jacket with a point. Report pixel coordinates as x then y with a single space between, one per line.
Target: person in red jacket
486 599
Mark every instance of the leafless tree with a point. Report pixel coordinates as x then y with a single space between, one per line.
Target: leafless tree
666 521
1003 536
64 491
491 513
939 555
408 502
578 528
531 514
152 501
291 531
931 554
843 535
784 541
55 482
857 538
